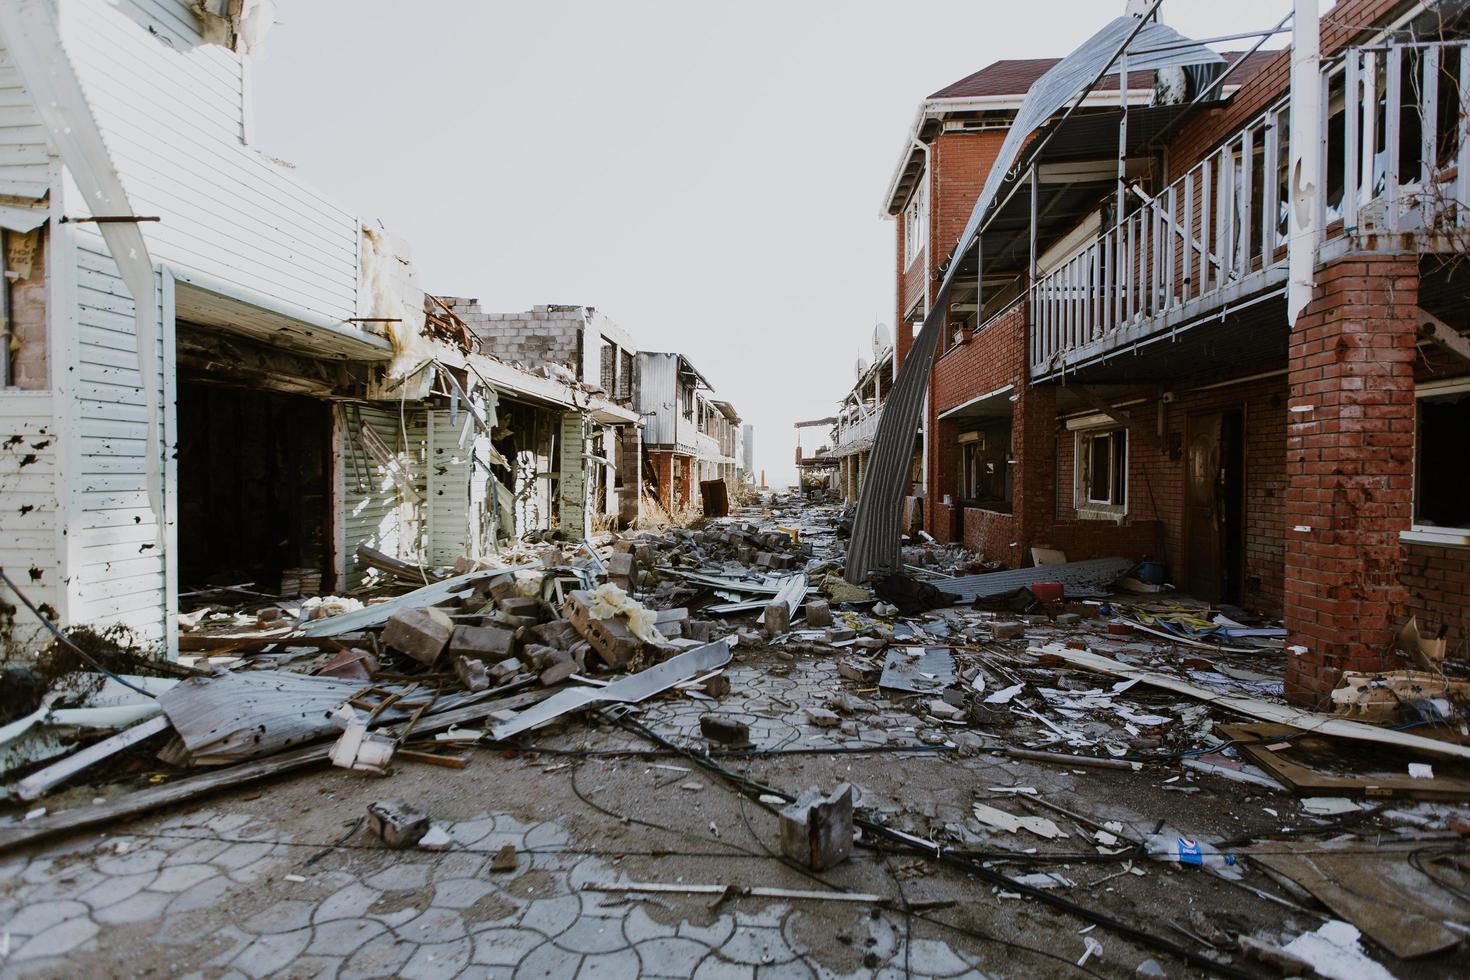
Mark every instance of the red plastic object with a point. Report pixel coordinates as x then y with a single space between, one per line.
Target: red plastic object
1048 591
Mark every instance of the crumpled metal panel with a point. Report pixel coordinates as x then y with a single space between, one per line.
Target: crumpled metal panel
874 543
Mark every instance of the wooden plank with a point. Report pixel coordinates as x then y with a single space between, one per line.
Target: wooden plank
1281 714
37 783
157 797
1287 766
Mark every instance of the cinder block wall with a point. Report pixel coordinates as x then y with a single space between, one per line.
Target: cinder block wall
539 336
29 368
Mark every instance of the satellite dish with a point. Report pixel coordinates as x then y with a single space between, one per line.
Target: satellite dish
861 367
881 339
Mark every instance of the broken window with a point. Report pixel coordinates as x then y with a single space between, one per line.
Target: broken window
985 477
916 222
1441 463
1102 470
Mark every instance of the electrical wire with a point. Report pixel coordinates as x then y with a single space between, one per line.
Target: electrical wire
66 640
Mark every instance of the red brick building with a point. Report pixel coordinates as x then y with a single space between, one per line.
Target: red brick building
1128 384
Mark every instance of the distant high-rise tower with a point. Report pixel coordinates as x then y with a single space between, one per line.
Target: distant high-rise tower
747 451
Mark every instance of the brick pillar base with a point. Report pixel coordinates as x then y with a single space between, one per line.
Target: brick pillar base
1033 478
1349 467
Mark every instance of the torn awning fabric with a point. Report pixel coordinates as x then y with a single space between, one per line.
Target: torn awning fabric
874 544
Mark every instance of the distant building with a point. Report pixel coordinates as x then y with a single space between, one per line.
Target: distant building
688 435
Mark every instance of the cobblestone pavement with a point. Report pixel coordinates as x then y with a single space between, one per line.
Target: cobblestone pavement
223 893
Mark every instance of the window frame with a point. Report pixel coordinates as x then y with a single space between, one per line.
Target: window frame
1434 534
916 221
1084 438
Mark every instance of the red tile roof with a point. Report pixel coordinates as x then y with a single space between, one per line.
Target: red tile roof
1015 77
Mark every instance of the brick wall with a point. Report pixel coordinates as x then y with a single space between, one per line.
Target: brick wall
26 254
540 336
1350 455
1154 525
1437 580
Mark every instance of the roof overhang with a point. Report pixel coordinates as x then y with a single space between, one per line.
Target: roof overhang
209 302
991 405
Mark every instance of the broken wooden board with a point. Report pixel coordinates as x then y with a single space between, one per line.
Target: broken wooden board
629 690
1080 578
1292 766
1378 891
1280 714
37 783
167 794
919 670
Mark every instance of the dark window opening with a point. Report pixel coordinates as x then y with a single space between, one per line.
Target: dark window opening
1443 465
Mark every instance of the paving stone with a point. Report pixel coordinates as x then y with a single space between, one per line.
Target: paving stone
717 969
593 935
140 908
342 937
756 946
401 877
348 902
284 916
933 958
797 969
460 893
437 960
58 940
382 956
179 878
131 862
548 962
241 855
609 966
551 916
713 935
37 918
198 852
433 926
115 888
671 957
269 955
505 947
206 894
639 926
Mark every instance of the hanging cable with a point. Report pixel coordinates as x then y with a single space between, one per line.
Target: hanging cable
66 641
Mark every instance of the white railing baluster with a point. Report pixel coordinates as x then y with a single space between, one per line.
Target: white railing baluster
1186 249
1351 106
1429 117
1462 141
1204 226
1368 179
1247 191
1392 118
1171 201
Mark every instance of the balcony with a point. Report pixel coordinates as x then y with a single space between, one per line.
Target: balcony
857 435
1211 245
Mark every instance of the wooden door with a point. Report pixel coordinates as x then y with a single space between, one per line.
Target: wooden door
1203 508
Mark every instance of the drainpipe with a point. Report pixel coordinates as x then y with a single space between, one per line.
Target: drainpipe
928 302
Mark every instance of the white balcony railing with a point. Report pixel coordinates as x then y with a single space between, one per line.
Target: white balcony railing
1218 232
859 430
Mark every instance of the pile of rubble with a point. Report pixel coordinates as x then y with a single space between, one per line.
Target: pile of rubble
1054 666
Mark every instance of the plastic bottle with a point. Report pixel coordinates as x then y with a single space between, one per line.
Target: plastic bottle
1176 847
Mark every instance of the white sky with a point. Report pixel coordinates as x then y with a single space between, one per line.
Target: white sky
710 174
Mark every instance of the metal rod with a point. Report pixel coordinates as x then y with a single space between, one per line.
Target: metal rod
109 219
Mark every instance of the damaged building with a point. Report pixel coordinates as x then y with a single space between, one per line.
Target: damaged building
690 438
217 376
1121 364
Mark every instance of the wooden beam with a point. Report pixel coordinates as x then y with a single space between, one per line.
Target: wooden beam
1434 329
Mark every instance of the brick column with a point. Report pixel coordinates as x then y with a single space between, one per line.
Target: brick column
1349 467
1033 478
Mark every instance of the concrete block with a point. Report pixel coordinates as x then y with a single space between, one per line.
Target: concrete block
471 674
521 607
420 633
504 671
818 613
398 824
776 619
816 830
1008 631
482 642
727 731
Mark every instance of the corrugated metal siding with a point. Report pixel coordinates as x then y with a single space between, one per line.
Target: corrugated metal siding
28 449
24 157
116 570
376 515
658 393
171 112
452 520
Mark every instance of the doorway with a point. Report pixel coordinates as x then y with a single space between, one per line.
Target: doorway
254 486
1214 506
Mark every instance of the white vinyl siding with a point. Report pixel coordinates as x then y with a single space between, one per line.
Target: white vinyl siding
171 112
28 521
115 570
456 507
24 157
